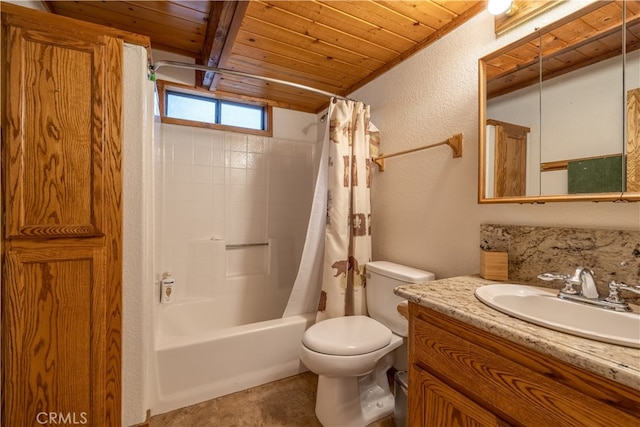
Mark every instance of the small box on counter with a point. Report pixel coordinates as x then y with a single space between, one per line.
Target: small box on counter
494 265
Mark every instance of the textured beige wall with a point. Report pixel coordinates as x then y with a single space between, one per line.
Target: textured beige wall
137 279
425 210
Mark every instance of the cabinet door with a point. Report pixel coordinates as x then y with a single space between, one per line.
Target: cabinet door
55 134
54 343
440 405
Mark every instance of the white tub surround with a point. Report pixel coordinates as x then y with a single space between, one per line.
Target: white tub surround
231 216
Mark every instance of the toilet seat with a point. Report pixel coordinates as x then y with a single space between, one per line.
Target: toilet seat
347 336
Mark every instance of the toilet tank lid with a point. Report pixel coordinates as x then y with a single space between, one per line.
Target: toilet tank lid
400 272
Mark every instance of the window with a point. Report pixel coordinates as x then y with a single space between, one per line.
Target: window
212 110
193 107
190 107
241 115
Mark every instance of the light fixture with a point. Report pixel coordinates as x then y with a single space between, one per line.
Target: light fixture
498 7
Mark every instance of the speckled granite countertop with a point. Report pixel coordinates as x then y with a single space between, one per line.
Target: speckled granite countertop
455 297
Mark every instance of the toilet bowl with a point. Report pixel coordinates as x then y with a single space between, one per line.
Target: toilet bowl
352 354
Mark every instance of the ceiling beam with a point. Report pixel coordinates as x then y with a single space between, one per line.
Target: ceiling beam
225 18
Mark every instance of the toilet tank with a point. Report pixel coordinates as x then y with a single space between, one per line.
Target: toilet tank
382 278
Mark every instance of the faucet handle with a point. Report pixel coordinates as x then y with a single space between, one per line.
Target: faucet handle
568 287
614 291
548 277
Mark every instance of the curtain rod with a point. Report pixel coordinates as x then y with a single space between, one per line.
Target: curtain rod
176 64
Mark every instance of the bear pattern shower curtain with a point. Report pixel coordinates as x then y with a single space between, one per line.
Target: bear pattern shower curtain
347 245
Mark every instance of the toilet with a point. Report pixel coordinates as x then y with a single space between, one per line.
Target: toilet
352 354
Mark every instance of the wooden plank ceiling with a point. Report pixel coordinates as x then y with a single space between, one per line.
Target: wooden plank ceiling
334 46
571 45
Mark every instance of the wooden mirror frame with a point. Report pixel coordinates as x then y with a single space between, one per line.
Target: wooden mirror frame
618 196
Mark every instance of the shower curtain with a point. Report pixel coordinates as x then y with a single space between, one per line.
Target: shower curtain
338 243
348 234
306 288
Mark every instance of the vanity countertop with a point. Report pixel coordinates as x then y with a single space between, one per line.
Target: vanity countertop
455 297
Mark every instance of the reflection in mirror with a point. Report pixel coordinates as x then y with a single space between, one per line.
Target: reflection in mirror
632 88
554 110
513 122
582 116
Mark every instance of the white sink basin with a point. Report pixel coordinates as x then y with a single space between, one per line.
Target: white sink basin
542 307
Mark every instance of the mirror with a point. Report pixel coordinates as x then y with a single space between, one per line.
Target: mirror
560 111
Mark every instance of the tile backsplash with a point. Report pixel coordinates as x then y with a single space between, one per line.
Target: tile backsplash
611 254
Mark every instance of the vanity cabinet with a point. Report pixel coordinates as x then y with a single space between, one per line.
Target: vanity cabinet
462 375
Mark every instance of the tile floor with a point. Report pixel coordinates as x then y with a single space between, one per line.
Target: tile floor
289 402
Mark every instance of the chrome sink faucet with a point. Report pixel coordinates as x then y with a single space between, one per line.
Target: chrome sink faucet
588 293
582 277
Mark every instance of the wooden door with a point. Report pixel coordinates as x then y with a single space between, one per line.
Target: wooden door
510 167
61 236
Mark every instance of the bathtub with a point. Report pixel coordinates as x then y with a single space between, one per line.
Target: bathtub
195 363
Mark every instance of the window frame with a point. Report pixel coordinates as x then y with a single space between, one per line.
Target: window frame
166 86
